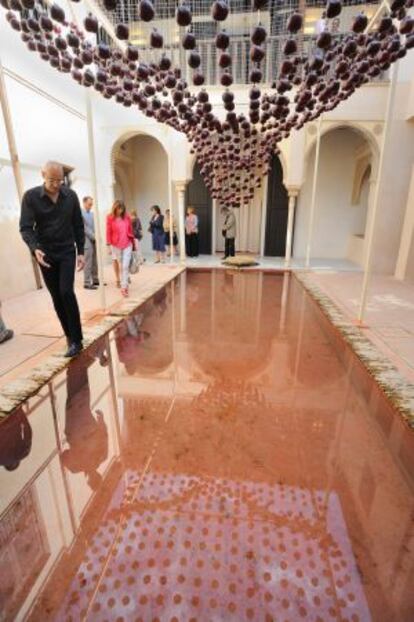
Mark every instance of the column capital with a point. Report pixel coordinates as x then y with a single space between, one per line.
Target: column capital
293 191
181 185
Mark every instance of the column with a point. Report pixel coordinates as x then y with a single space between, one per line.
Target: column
313 201
14 158
180 187
292 193
98 229
407 234
376 199
264 216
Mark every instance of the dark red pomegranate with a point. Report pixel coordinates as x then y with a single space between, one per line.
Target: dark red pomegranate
146 10
295 23
91 23
122 32
183 15
219 10
189 41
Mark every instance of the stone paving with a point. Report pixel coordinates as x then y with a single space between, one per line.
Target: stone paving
34 355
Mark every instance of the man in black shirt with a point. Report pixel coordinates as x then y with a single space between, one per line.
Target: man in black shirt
51 224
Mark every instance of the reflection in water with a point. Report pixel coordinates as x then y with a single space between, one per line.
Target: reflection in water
15 440
86 433
257 473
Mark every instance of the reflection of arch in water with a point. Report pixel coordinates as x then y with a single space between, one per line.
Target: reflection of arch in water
144 340
236 341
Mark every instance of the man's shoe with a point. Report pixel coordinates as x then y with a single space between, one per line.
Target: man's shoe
74 350
6 335
90 286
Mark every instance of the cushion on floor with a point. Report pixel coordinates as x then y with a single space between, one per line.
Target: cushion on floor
240 261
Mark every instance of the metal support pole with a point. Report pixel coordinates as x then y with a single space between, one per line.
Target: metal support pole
170 202
92 163
373 218
289 232
313 201
214 228
14 158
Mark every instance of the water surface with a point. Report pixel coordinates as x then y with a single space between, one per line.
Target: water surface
222 456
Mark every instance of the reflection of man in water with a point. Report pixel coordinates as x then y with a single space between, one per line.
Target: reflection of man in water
86 435
15 440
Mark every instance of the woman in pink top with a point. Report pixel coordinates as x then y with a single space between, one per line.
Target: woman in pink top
120 239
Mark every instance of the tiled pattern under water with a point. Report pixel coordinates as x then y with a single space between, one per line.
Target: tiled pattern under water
221 457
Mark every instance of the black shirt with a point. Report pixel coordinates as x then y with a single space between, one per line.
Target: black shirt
53 227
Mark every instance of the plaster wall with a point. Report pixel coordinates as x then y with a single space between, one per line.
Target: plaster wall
336 219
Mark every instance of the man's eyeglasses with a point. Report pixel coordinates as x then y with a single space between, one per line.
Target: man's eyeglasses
55 182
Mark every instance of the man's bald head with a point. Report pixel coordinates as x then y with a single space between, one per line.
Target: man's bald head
52 173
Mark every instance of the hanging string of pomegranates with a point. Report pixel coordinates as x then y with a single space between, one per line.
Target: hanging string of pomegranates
235 152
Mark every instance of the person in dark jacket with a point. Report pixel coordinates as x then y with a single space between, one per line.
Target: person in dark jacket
51 224
156 228
15 439
5 333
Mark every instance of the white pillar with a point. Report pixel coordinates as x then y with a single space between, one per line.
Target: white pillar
264 215
313 201
14 158
180 187
372 223
98 231
292 193
170 205
407 234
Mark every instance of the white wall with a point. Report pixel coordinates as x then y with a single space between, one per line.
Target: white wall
49 124
399 158
335 216
150 170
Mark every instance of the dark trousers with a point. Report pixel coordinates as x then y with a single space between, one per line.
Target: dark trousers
229 247
191 244
59 280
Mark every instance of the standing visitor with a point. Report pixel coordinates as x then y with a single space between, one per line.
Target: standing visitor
229 232
138 233
156 228
51 224
191 233
91 279
120 239
5 333
168 233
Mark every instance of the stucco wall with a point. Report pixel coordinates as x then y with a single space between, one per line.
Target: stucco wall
335 216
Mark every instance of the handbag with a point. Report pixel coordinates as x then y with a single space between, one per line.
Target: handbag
223 233
134 263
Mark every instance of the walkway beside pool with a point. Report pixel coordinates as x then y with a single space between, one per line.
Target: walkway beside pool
389 318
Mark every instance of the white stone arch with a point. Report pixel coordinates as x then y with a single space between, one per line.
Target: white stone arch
126 135
338 233
370 134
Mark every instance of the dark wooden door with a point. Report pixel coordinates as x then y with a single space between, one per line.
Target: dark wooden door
198 196
277 212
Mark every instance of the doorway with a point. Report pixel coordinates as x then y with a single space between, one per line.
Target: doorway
277 211
198 196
